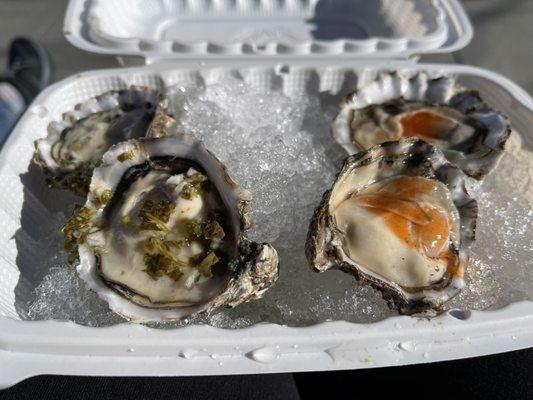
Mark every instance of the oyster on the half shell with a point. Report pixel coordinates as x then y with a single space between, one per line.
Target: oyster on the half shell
471 135
74 146
397 216
162 234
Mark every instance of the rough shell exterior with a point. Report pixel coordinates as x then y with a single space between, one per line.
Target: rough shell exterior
485 152
414 157
77 180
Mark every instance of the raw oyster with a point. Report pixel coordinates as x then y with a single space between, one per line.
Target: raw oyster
439 111
398 216
161 236
74 146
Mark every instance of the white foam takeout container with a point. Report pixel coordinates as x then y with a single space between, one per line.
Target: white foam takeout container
29 348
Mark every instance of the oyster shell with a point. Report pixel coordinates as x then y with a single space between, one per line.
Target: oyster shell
456 120
161 236
74 146
398 217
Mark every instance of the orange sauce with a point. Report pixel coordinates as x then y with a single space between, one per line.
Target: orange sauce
427 124
415 222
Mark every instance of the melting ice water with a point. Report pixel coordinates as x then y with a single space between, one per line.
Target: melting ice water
280 149
265 355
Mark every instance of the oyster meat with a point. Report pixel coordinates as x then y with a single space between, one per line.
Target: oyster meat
398 216
161 236
74 146
439 111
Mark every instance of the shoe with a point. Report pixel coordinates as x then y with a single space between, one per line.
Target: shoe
29 68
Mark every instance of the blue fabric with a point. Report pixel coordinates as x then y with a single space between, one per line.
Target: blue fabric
7 120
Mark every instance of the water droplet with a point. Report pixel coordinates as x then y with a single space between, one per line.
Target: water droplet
294 346
263 355
213 356
189 353
425 355
220 363
40 111
130 350
461 315
407 346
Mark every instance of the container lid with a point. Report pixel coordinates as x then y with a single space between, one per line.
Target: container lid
254 29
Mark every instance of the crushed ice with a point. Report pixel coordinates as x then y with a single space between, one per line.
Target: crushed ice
501 265
280 149
63 295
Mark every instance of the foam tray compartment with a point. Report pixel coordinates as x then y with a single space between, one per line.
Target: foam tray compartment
27 206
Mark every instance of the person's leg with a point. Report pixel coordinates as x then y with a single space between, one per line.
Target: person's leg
29 71
12 104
